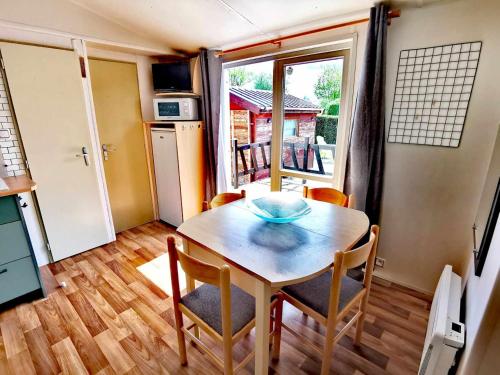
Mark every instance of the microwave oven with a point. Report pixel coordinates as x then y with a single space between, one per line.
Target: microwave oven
175 109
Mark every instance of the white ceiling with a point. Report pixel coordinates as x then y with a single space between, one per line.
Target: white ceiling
191 24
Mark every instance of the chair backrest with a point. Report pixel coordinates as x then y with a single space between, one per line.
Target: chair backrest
348 259
204 272
329 195
363 254
224 198
193 267
320 140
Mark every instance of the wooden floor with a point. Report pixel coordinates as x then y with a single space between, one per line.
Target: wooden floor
111 319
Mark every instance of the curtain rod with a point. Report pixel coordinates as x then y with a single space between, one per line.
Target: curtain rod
277 41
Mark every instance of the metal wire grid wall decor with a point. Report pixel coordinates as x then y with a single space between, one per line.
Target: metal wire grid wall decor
432 93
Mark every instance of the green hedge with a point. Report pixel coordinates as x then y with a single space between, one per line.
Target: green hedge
326 126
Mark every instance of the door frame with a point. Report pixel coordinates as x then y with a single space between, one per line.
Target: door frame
80 49
277 172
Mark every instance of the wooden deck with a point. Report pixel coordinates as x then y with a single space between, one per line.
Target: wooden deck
110 319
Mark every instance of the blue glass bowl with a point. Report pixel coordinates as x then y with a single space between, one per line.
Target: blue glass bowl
279 207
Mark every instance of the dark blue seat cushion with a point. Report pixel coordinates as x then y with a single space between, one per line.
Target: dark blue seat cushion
315 293
205 302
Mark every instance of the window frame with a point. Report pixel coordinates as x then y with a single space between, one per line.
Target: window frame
346 43
343 128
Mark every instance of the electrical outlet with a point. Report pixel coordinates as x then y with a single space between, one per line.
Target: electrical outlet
379 262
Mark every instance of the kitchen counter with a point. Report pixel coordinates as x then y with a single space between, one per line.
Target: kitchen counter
17 185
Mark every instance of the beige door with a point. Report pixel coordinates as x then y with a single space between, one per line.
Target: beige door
49 104
119 122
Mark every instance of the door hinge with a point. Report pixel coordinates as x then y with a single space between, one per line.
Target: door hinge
82 67
27 164
48 247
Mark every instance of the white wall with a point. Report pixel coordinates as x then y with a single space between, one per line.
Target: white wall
482 302
431 194
491 360
482 317
65 16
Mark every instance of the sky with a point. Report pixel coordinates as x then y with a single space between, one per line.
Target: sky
300 82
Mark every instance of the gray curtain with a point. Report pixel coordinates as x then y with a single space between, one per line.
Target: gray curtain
211 69
365 159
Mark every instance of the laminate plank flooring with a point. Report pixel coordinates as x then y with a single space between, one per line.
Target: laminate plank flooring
111 319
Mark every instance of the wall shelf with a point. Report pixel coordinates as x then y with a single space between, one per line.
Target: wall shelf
177 94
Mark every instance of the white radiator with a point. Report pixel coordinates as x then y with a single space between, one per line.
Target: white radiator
445 334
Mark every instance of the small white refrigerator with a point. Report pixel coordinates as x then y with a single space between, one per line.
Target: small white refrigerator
166 166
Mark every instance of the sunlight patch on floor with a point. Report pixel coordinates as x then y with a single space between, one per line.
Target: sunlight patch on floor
158 271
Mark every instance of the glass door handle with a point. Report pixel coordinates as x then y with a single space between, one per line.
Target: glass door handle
84 155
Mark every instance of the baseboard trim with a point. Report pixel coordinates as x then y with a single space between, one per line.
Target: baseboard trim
387 281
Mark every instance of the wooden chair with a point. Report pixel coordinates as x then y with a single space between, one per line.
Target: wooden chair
219 308
222 199
329 297
329 195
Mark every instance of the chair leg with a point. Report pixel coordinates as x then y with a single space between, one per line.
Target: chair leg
181 340
359 329
228 354
328 349
361 320
278 317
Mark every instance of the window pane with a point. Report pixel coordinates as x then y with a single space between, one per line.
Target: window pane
250 103
312 92
290 128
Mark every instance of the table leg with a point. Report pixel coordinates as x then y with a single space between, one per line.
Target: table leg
190 285
262 321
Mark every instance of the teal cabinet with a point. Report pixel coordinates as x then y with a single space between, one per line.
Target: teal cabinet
9 210
19 275
13 242
17 279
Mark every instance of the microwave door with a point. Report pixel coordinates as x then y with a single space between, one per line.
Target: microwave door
169 110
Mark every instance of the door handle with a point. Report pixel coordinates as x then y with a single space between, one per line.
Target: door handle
105 152
107 149
84 155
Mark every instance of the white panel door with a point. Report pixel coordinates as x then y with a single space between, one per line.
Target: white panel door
49 103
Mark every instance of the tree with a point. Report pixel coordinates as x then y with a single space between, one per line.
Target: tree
263 81
239 76
328 87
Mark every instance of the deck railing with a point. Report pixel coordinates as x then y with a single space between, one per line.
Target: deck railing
306 149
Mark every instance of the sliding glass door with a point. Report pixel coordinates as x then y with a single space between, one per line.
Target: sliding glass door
308 108
287 122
